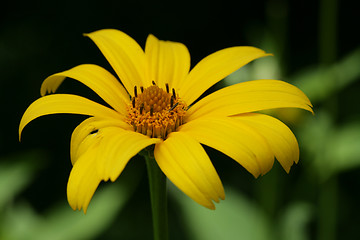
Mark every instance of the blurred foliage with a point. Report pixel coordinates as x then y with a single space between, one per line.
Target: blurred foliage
20 221
241 218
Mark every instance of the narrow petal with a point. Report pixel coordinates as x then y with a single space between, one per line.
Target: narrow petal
83 180
124 55
86 128
249 97
97 78
64 103
169 62
117 147
279 137
234 139
214 68
186 164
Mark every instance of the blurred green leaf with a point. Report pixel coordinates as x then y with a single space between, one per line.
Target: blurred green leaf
16 173
344 148
294 221
22 223
263 68
64 223
321 82
19 222
332 148
235 218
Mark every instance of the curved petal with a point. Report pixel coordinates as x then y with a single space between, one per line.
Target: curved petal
234 139
169 62
117 147
87 128
65 103
279 137
97 78
249 97
186 164
125 56
102 156
214 68
83 180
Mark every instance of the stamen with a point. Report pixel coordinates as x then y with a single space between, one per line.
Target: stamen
141 108
155 111
135 91
94 131
173 107
171 101
173 92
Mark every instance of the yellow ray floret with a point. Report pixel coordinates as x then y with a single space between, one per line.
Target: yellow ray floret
186 164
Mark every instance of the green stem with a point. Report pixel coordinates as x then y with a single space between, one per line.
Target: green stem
158 195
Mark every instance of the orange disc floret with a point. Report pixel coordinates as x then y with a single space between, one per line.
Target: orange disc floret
155 112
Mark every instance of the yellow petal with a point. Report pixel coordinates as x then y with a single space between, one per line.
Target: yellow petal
64 103
214 68
86 128
124 55
97 78
186 164
249 97
102 156
234 139
83 180
117 147
279 137
169 62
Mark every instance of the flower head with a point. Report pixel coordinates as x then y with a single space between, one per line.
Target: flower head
154 105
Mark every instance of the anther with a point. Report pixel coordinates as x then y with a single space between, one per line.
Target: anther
171 101
135 91
133 102
173 107
141 108
94 131
154 111
153 82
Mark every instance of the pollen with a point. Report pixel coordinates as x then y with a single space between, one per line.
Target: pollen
155 112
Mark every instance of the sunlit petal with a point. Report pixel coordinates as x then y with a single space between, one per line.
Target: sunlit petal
249 97
214 68
234 139
83 180
101 156
169 62
64 103
118 146
186 164
125 56
97 78
86 128
279 137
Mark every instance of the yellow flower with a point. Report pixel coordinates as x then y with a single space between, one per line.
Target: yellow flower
155 105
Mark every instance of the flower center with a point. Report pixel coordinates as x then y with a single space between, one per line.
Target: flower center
155 112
